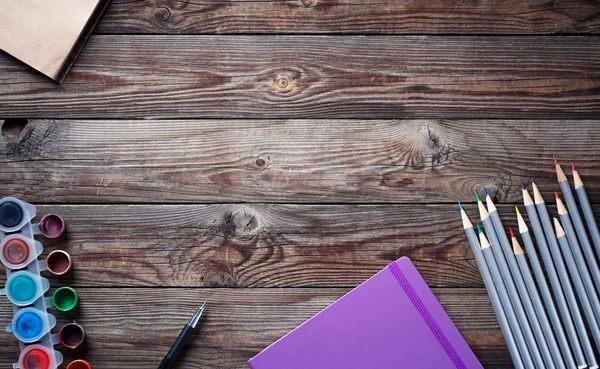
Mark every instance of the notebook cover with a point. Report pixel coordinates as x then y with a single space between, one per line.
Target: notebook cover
391 321
48 35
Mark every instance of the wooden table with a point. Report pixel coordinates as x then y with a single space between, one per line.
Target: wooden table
269 156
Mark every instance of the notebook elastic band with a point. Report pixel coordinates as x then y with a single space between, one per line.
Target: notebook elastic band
438 333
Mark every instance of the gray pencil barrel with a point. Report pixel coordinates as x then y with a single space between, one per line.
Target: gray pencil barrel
580 266
561 301
530 311
589 217
495 299
549 302
535 298
584 241
508 308
514 296
581 291
566 284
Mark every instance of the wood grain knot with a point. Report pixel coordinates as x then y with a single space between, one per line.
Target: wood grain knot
13 127
162 14
243 224
306 3
263 162
282 83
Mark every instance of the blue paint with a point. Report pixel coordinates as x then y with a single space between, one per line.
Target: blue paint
29 326
11 214
22 288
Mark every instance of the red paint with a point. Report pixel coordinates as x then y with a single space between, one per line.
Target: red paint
58 262
79 364
36 359
71 335
52 225
15 251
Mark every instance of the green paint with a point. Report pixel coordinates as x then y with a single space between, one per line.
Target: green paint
65 299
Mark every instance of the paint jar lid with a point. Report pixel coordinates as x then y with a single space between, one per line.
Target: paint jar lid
17 252
30 324
39 357
52 225
24 287
65 299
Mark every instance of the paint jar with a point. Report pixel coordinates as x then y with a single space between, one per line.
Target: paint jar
71 335
65 299
14 214
17 252
30 324
24 288
52 225
58 262
39 357
79 364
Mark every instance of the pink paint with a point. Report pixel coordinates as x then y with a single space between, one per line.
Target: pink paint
58 262
52 225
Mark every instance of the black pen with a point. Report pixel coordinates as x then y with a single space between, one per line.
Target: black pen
184 336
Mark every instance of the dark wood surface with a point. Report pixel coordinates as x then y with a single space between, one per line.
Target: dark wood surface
270 156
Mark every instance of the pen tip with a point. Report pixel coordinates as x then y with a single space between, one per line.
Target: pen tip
555 161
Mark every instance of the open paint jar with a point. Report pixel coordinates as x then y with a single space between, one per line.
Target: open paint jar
58 262
65 299
39 357
24 287
17 252
14 214
71 335
79 364
30 324
52 225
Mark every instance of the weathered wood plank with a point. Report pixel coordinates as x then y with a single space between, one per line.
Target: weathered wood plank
134 328
356 16
250 245
125 76
299 161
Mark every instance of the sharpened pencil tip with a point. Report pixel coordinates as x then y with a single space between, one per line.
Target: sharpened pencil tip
479 229
518 212
523 186
532 181
512 234
555 161
573 167
556 195
460 206
485 192
477 197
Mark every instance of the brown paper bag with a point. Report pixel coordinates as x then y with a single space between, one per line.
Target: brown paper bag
48 34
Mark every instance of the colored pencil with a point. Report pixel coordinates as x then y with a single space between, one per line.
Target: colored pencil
587 209
584 241
493 293
530 311
561 301
537 301
515 324
546 295
509 283
582 293
547 227
578 256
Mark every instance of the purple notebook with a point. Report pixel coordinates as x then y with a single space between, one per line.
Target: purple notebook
391 321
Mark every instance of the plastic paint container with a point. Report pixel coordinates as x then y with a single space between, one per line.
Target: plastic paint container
71 335
52 225
79 364
23 288
39 357
14 214
65 299
58 262
17 252
30 324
